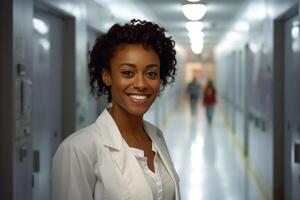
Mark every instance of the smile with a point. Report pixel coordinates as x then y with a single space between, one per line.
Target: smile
139 98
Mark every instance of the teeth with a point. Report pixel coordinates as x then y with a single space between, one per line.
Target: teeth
139 97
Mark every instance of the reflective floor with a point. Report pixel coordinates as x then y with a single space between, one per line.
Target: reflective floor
209 165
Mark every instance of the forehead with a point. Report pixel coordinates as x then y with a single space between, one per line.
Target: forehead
135 52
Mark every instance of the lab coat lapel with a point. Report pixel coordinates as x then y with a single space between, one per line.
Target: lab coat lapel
123 158
133 174
156 137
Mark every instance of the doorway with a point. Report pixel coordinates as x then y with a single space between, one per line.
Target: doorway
47 97
292 107
287 106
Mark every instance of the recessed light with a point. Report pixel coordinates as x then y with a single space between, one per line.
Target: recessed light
194 26
194 11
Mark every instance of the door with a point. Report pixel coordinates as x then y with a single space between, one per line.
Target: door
248 87
47 98
292 108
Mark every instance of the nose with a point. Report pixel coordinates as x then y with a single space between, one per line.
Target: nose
140 82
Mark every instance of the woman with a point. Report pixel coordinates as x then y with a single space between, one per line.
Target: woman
209 100
121 156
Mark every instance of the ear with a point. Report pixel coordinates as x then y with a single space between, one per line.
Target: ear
106 77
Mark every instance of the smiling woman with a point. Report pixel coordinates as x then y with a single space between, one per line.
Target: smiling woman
133 78
121 156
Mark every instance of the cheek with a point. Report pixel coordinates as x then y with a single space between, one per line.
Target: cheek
119 83
156 86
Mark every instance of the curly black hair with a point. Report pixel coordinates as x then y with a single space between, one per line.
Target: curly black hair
146 33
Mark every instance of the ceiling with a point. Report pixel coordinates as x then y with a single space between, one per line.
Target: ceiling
219 16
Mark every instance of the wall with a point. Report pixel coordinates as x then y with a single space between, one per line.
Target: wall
245 82
6 101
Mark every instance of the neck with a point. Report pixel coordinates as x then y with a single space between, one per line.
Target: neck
128 124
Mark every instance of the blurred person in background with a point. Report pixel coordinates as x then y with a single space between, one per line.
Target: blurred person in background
209 100
194 93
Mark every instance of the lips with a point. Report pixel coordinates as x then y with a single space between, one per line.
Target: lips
139 98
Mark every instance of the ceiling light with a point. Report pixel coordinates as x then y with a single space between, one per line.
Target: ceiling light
193 0
194 26
242 26
40 26
295 32
254 47
197 49
196 34
194 11
259 14
197 43
197 40
45 44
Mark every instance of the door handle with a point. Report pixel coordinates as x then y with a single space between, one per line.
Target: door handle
297 152
36 161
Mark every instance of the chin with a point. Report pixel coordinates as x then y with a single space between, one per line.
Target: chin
138 112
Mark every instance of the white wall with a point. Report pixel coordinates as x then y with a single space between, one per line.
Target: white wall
252 58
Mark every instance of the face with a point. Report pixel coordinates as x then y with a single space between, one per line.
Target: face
134 78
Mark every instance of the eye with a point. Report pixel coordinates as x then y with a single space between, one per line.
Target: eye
127 74
152 74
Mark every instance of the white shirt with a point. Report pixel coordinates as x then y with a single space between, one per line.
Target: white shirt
159 181
95 164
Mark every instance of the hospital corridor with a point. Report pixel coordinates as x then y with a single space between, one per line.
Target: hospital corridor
149 100
208 159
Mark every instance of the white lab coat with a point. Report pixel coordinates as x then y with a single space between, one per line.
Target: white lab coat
95 164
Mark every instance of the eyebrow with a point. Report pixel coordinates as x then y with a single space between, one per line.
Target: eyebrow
133 65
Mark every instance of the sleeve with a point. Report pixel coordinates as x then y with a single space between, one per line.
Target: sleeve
73 176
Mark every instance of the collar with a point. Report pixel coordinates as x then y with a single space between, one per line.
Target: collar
112 137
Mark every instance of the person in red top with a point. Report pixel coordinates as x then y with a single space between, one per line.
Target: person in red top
209 100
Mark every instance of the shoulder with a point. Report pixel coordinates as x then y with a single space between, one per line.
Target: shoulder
82 143
84 137
90 136
90 139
